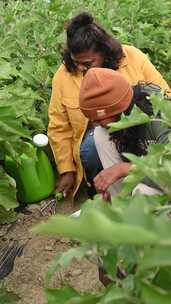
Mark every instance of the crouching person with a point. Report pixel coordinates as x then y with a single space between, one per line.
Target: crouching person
105 94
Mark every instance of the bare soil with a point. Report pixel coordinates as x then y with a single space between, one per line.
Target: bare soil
28 275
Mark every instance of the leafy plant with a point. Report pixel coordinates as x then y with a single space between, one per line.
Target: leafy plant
131 235
8 201
32 38
7 297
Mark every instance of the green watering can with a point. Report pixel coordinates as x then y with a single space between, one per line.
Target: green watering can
34 178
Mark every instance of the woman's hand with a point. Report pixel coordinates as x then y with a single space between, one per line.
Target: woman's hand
110 175
66 182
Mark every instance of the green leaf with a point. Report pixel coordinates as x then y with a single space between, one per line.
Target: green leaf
110 261
7 216
61 295
163 278
138 211
106 209
157 169
137 117
7 191
163 106
135 176
7 112
64 259
84 299
128 283
104 230
156 149
6 70
7 297
154 295
27 72
128 257
114 295
156 257
12 127
68 295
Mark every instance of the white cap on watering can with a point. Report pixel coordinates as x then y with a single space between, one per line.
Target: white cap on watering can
40 140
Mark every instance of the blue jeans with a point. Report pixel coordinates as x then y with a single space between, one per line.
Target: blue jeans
89 156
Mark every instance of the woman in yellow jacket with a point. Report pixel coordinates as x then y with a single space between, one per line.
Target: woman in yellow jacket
70 133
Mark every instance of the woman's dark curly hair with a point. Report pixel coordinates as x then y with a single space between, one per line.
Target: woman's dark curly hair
83 34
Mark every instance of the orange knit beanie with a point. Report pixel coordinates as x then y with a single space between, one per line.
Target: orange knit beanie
104 93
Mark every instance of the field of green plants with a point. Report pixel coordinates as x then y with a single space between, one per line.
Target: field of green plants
132 234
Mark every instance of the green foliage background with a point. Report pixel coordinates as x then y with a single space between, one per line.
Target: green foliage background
32 38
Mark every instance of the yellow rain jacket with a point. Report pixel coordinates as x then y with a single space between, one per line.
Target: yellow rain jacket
67 124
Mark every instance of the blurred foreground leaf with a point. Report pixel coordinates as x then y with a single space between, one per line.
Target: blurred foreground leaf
8 297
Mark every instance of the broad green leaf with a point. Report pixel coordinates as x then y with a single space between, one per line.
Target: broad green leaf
23 104
7 70
61 295
104 230
114 295
106 209
84 299
128 283
110 261
164 106
14 128
7 112
137 117
163 278
156 257
157 149
7 216
7 191
135 176
9 148
154 295
68 295
8 297
157 169
142 212
128 257
138 211
65 258
27 72
119 203
162 226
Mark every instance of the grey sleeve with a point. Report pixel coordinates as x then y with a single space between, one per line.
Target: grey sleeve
158 132
163 136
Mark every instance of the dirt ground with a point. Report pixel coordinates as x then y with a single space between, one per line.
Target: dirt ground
27 276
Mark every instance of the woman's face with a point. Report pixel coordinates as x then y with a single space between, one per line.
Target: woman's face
87 60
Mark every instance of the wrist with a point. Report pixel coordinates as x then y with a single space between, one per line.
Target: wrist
124 169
